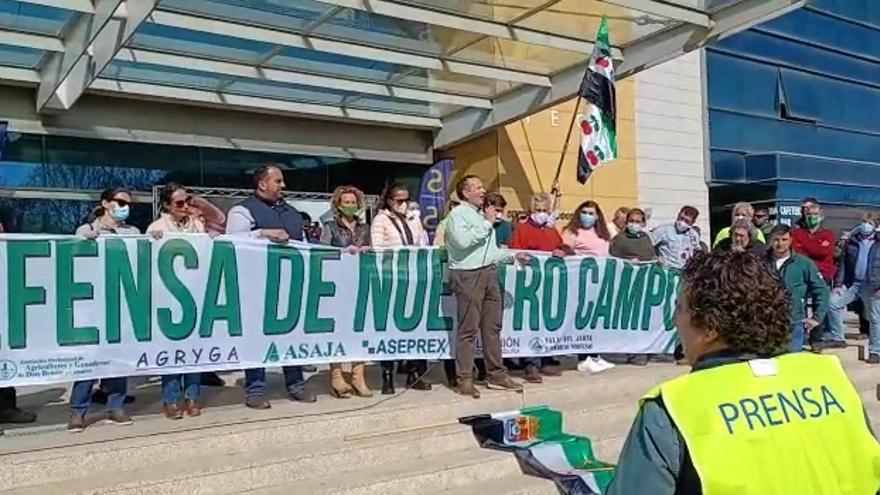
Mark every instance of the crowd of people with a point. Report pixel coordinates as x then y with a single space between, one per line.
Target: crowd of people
479 237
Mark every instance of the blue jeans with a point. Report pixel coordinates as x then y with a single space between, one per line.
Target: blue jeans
81 395
255 380
837 310
192 387
796 344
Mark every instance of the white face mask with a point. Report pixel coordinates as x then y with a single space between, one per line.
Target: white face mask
682 226
541 218
634 228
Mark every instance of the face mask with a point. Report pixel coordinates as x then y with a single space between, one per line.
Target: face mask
682 226
813 220
740 217
417 214
634 228
349 211
866 228
588 220
541 218
120 213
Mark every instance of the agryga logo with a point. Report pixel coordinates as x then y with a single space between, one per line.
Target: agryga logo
8 370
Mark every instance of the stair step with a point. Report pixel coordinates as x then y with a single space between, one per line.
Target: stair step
510 485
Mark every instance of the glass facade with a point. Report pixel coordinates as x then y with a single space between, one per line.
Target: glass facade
792 112
48 184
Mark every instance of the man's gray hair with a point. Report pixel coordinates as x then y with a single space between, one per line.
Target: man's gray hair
742 224
542 199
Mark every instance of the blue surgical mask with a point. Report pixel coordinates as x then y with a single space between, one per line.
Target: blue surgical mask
634 228
588 220
541 218
866 228
119 213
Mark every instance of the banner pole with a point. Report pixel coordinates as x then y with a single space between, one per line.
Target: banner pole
554 189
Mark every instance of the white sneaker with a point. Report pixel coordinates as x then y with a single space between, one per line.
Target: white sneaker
593 365
604 364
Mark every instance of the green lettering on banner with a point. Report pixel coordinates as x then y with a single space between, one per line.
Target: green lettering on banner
439 288
275 255
527 293
655 293
404 322
119 277
588 272
553 322
673 286
374 283
21 295
629 297
223 270
319 288
68 291
606 295
169 251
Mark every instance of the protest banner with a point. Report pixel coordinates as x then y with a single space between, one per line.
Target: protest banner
123 306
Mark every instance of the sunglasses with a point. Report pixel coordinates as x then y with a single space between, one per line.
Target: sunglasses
180 203
121 202
400 201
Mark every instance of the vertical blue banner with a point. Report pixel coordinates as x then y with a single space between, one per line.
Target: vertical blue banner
433 194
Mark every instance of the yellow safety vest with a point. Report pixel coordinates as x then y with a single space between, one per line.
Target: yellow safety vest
792 425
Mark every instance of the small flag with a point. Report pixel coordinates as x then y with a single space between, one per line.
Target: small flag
599 125
535 436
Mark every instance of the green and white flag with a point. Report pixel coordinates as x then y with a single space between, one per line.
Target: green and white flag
536 436
599 125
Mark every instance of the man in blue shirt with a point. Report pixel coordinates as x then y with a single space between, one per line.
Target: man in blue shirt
858 276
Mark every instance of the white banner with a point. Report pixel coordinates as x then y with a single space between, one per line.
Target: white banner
124 306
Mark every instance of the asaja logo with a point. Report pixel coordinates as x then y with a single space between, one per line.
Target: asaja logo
536 344
8 370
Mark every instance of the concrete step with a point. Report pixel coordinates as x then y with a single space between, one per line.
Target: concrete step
517 484
156 441
408 444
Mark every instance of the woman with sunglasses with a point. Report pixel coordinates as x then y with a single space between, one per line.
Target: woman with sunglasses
108 218
393 226
179 217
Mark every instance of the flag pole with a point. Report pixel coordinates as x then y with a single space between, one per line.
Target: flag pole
554 189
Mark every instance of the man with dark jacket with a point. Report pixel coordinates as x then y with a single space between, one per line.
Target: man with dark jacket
858 277
265 215
802 282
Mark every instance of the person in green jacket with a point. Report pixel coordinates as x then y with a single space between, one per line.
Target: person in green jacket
802 282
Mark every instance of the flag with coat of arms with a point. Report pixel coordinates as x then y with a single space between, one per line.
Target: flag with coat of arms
599 125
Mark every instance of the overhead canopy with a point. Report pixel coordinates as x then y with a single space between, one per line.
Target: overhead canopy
453 67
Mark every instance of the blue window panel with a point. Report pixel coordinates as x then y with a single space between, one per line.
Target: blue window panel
33 18
867 11
780 166
829 193
822 170
750 87
803 93
727 166
743 85
760 46
761 167
20 56
751 134
834 33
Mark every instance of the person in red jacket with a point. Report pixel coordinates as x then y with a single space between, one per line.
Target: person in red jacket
816 243
813 241
538 233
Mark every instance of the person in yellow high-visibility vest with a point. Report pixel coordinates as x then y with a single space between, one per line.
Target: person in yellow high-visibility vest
748 419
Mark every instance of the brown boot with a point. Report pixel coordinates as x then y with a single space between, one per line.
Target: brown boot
358 382
192 408
338 386
173 411
466 387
